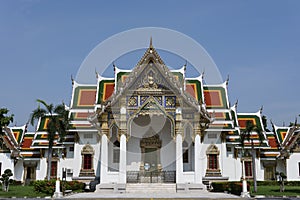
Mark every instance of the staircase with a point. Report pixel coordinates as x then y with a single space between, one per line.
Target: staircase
151 188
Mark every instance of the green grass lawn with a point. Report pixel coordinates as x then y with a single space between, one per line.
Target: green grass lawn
20 191
273 190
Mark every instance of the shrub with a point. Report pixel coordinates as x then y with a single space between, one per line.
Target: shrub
44 186
5 180
232 187
48 187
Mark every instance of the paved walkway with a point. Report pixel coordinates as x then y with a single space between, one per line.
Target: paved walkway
190 195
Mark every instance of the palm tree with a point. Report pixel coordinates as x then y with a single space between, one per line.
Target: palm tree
246 135
5 119
58 123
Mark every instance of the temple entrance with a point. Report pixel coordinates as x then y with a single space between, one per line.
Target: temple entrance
151 150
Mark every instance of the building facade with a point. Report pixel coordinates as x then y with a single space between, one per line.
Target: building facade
153 125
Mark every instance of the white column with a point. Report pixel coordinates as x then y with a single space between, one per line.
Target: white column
179 160
245 193
122 164
198 168
104 159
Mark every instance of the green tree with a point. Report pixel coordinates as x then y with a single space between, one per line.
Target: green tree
246 135
5 180
58 124
5 119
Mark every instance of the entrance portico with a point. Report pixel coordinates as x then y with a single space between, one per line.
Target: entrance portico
150 129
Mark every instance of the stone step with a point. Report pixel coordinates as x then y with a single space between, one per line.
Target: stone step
150 188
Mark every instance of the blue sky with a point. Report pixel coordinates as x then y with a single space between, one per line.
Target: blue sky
256 43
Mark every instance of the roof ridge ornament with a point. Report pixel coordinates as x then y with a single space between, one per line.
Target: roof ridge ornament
151 46
72 79
97 75
261 109
114 66
227 80
236 103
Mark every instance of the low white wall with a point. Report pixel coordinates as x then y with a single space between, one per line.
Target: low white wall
292 167
188 177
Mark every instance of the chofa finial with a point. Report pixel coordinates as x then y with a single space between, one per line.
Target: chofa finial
151 46
72 79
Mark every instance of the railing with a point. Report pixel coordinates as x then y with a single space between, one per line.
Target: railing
151 177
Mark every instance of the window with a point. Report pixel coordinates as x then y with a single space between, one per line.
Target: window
87 161
71 149
116 152
248 168
53 169
213 167
185 152
212 161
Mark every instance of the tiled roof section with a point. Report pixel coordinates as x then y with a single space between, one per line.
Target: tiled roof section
220 125
273 142
215 97
43 122
292 138
105 90
255 118
233 137
84 96
79 116
122 75
9 138
18 133
26 150
77 125
41 140
281 132
194 88
178 76
27 141
220 115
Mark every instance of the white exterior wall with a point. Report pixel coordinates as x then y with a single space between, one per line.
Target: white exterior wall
41 169
232 167
260 172
19 171
292 167
77 162
7 162
204 146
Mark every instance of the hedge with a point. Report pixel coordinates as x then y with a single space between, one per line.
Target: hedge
48 187
233 187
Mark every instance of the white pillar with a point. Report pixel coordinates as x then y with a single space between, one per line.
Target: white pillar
198 168
179 160
104 159
245 193
57 193
122 164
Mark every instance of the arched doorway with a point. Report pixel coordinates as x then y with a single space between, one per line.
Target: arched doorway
151 149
